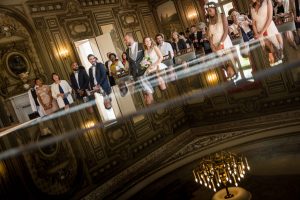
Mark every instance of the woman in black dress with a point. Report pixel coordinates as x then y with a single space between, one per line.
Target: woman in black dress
177 43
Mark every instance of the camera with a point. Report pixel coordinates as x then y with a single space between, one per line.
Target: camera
241 18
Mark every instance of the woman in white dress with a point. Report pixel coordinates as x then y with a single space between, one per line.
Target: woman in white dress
219 39
264 26
154 55
61 91
284 8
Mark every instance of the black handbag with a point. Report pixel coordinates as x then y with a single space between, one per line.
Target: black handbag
33 115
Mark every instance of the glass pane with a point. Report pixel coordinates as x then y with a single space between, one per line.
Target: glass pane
227 7
101 136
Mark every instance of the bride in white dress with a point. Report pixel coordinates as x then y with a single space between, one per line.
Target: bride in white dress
155 56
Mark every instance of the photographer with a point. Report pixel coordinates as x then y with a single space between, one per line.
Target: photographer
241 26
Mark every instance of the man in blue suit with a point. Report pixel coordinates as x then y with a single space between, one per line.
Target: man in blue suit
98 77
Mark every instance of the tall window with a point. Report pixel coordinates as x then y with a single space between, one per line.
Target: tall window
224 5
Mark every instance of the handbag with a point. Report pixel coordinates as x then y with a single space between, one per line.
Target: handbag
33 115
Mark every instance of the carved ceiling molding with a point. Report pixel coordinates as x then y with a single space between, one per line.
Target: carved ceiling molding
86 3
140 166
42 7
194 143
78 26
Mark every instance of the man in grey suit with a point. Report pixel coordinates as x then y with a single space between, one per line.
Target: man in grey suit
135 55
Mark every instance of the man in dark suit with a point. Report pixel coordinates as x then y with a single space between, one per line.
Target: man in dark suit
297 15
196 37
80 80
135 55
98 77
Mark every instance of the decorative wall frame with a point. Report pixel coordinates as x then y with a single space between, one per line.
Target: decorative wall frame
16 63
168 17
80 28
129 20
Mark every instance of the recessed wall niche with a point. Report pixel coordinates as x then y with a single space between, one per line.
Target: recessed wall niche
17 63
17 56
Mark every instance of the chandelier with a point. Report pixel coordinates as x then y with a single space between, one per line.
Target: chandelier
221 169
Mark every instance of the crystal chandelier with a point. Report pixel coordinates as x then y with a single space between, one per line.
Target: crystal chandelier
219 169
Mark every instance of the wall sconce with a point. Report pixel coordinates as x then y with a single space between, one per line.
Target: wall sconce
63 53
192 16
211 77
90 134
2 170
89 124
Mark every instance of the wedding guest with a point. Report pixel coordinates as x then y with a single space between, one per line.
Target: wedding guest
264 26
220 41
111 79
187 40
79 80
281 7
241 26
204 41
125 62
178 44
196 37
37 109
61 91
296 6
135 55
164 47
116 66
284 8
187 32
168 53
297 13
98 76
45 98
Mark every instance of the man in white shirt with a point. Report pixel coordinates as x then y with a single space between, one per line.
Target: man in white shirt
165 47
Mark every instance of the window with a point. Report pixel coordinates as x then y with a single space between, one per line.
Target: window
224 5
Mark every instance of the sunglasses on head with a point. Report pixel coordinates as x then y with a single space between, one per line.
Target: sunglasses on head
209 6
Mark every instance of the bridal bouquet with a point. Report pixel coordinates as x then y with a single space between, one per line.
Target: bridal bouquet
146 62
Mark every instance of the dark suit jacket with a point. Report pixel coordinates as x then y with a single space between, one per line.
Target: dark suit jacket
101 78
297 3
199 37
83 79
135 65
181 45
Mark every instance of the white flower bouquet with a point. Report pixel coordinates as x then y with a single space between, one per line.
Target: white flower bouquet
146 62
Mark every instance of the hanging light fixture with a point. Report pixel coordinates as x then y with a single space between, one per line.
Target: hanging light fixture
221 169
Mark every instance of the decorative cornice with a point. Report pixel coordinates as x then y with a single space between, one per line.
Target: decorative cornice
85 3
43 7
141 166
189 143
